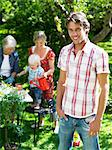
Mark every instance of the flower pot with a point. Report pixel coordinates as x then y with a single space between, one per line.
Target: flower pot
19 86
10 146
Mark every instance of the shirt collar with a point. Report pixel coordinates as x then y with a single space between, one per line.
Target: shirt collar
87 48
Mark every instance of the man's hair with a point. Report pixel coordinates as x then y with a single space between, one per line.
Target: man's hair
39 35
34 59
79 17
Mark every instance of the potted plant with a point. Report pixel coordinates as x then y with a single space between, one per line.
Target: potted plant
11 105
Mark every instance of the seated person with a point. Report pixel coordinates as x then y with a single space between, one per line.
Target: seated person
8 60
35 71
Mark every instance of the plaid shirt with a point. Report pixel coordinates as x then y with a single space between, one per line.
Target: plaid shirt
81 90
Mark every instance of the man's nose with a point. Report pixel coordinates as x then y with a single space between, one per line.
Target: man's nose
75 33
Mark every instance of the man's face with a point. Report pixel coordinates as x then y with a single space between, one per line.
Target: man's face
8 50
76 32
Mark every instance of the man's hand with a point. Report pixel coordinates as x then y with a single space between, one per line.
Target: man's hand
61 114
95 126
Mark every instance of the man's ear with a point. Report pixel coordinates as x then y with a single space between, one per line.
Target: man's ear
86 31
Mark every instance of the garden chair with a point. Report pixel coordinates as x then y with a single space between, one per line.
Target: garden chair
45 108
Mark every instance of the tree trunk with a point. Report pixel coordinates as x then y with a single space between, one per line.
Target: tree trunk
107 27
102 34
7 145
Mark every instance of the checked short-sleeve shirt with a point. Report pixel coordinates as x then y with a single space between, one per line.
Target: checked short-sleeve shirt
81 90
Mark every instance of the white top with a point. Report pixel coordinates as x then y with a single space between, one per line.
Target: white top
47 50
5 67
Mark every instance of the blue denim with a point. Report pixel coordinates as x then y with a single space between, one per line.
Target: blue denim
10 80
37 94
66 131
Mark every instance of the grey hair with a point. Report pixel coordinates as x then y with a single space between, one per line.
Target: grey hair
9 42
39 35
34 59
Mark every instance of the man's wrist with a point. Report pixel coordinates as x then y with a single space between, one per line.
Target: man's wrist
58 107
99 118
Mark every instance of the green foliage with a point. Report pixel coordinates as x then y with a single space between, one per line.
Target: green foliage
22 18
11 105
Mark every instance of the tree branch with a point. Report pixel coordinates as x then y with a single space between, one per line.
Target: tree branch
107 27
61 8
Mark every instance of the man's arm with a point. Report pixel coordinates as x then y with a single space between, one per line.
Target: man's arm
104 86
60 93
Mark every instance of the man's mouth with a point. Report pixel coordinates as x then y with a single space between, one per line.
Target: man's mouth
75 38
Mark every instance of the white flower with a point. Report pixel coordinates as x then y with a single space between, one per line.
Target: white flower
6 89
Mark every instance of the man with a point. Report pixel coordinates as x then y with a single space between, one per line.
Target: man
9 60
82 89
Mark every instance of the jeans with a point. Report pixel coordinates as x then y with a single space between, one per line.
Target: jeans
37 94
66 131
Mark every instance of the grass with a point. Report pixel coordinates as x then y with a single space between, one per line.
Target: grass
106 46
47 140
106 133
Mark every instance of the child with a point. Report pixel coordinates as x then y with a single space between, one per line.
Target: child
35 71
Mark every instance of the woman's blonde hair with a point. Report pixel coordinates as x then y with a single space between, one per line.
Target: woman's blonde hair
39 35
34 59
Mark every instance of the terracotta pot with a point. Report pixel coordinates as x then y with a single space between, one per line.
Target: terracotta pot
10 147
19 86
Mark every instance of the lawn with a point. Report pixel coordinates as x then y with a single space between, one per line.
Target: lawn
47 140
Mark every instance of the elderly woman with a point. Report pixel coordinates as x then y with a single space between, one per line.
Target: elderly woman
8 60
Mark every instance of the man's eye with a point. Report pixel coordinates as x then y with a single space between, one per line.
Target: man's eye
78 30
70 30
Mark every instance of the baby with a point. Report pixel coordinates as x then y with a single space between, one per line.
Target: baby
35 71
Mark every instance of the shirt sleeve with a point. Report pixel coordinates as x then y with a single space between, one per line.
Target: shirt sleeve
102 63
51 55
62 60
30 51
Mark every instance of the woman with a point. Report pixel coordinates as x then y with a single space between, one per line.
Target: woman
8 60
47 58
